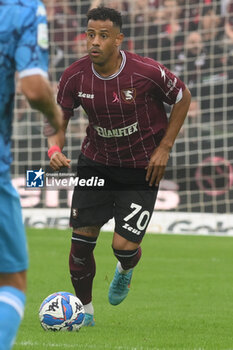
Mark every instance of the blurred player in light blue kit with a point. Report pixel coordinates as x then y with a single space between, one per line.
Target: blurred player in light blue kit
23 48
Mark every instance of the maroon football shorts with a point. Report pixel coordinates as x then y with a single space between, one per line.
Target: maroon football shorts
112 192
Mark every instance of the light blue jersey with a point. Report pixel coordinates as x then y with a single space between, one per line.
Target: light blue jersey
23 48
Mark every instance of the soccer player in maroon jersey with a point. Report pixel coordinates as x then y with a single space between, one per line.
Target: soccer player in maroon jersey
128 142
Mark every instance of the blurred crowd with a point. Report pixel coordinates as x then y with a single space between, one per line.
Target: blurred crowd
195 35
193 38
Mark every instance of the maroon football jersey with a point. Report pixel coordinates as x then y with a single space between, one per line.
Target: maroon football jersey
127 118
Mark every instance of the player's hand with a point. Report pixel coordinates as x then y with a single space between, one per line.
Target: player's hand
58 161
157 165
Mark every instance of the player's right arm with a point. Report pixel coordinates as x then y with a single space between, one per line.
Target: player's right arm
65 98
56 143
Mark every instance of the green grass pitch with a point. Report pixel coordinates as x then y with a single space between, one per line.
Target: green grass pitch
181 295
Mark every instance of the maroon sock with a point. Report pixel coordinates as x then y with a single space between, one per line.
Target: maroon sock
82 266
128 258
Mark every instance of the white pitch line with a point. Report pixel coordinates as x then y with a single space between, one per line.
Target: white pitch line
92 346
86 346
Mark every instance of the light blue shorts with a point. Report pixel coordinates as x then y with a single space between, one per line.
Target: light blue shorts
13 245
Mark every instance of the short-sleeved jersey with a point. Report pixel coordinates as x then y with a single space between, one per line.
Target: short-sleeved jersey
23 48
127 117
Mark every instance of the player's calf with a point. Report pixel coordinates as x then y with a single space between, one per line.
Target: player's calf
82 266
128 258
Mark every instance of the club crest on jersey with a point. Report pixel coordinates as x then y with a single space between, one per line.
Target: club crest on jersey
74 213
128 95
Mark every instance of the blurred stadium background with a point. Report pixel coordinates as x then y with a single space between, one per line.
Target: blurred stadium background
192 38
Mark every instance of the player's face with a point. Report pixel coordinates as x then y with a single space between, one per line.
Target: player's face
103 40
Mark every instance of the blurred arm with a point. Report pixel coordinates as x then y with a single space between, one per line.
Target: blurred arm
39 94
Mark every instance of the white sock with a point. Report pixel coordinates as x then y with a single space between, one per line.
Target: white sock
120 269
89 309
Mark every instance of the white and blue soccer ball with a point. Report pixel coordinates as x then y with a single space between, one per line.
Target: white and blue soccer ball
61 311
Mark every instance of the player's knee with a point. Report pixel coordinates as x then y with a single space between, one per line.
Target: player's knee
121 243
90 231
128 258
81 250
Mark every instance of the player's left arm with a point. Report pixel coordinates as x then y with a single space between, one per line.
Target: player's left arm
160 156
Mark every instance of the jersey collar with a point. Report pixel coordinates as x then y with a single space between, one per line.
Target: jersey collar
115 74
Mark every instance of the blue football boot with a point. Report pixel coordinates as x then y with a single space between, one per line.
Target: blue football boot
89 320
119 287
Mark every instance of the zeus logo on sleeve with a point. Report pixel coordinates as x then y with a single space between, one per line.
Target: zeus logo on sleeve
126 131
84 95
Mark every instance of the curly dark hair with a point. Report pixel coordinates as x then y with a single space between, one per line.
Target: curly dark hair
102 13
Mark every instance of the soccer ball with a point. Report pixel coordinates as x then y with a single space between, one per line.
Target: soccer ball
61 311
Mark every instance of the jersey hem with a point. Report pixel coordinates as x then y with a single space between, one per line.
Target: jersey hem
131 165
19 268
32 71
